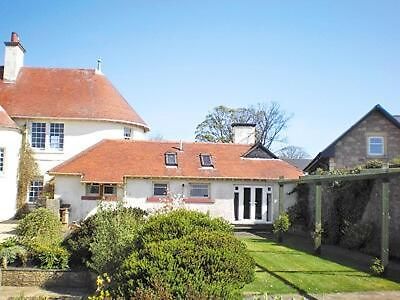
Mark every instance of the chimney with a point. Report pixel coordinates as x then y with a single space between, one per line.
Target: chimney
244 133
13 58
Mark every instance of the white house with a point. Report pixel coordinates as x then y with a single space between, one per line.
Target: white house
85 134
62 112
235 181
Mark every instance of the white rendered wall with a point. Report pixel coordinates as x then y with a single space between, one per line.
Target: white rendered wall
10 140
135 193
78 136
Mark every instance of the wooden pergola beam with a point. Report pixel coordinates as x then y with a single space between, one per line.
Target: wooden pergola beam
318 223
385 223
365 174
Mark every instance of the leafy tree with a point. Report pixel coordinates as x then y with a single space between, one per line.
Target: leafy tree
270 120
293 152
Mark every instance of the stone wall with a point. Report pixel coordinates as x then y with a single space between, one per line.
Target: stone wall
352 149
46 278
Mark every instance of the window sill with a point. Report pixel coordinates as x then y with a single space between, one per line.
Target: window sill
158 199
104 198
199 200
155 199
47 151
90 198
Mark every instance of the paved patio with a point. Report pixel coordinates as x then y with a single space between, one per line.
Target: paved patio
7 229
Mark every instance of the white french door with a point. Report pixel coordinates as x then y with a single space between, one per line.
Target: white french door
253 204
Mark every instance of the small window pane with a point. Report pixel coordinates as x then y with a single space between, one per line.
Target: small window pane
57 136
199 190
92 189
376 146
110 190
160 189
205 160
127 133
38 135
1 160
170 159
35 190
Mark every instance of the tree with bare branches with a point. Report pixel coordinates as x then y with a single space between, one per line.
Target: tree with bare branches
270 120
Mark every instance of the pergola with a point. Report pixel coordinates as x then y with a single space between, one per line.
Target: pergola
385 174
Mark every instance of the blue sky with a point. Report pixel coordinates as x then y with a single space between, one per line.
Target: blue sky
325 62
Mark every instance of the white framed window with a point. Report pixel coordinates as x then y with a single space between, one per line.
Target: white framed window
38 135
47 136
206 160
57 136
109 189
92 189
376 145
127 133
35 190
171 159
199 190
2 159
160 189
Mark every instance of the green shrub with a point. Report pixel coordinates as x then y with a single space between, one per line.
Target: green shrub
105 239
357 235
377 267
79 240
40 225
50 256
13 253
281 224
185 255
179 223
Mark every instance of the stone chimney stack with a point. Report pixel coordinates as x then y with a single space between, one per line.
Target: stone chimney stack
13 58
244 133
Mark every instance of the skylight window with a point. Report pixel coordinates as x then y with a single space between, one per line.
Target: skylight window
205 160
170 159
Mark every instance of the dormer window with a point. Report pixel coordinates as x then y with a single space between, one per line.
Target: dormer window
205 160
171 159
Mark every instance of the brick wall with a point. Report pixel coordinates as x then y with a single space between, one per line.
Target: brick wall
46 278
351 150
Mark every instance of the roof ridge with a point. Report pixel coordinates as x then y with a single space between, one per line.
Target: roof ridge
185 142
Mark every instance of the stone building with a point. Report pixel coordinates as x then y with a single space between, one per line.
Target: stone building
376 136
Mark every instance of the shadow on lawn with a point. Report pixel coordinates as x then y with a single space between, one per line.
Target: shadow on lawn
287 282
345 257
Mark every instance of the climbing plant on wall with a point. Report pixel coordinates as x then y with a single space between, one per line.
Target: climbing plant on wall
27 171
344 206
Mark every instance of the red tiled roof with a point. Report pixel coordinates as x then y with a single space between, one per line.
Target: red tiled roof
66 94
5 120
112 160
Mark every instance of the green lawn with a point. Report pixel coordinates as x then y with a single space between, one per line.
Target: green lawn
283 270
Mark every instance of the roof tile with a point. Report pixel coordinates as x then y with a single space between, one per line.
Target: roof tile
66 94
112 160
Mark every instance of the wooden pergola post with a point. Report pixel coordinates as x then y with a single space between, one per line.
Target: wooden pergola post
385 223
281 196
317 225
